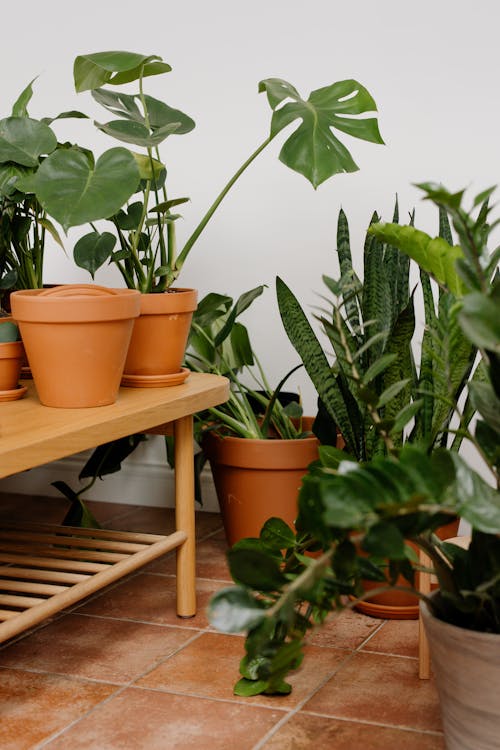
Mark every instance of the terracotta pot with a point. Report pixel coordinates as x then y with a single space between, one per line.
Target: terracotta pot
399 605
257 479
466 666
11 356
76 338
160 337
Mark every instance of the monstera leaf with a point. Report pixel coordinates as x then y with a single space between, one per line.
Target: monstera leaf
313 149
23 140
115 68
74 191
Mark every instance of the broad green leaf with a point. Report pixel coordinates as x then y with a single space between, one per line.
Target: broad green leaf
276 534
20 107
246 688
23 140
123 105
8 331
9 177
150 169
331 457
75 192
92 250
129 131
433 255
255 569
313 149
233 609
161 115
486 402
72 114
114 67
477 502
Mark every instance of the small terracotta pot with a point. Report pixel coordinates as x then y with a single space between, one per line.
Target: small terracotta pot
76 338
257 479
160 337
11 356
399 605
466 666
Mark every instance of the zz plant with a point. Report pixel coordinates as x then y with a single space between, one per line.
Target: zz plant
405 493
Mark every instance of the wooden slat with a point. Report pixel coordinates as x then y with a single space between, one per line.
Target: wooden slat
32 574
65 540
7 614
64 554
35 609
111 534
28 587
20 601
52 562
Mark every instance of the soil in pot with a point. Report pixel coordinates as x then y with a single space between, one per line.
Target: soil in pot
159 339
76 338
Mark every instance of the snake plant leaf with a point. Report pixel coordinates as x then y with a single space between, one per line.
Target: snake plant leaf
20 106
309 349
376 296
23 140
73 191
433 255
93 250
136 133
313 150
114 67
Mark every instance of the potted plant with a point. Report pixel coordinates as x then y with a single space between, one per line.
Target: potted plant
379 503
258 446
384 387
11 356
145 230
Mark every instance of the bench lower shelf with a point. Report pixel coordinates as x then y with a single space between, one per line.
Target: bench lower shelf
45 568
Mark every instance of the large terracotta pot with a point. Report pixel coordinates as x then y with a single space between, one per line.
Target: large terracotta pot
466 666
159 339
257 479
76 338
399 605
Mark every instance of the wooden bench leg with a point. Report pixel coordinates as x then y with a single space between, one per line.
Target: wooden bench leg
185 516
424 659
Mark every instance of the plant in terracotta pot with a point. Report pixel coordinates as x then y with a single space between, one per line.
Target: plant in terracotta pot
387 384
281 594
11 356
143 241
258 447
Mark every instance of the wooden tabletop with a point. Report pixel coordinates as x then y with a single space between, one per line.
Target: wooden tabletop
32 434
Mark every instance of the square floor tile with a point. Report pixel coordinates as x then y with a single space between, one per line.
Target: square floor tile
305 732
381 689
398 637
114 651
348 630
210 561
35 706
148 720
209 667
150 598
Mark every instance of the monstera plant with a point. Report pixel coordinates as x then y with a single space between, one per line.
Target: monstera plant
147 254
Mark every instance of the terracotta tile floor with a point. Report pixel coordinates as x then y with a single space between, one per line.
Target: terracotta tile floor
120 671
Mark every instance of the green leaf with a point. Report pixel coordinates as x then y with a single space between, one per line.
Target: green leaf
9 331
114 67
233 610
477 502
74 191
385 540
128 131
405 415
255 569
313 150
50 228
277 535
378 367
391 392
433 255
92 250
486 402
150 169
10 174
20 107
23 140
480 320
247 688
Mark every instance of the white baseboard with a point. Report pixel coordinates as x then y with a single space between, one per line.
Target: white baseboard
149 484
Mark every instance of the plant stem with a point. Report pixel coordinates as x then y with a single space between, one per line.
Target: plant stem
192 239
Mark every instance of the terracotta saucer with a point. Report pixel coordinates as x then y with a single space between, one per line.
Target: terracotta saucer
13 394
155 381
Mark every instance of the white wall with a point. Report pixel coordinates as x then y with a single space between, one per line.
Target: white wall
431 66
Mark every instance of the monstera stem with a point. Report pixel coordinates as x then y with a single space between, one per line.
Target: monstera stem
201 226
